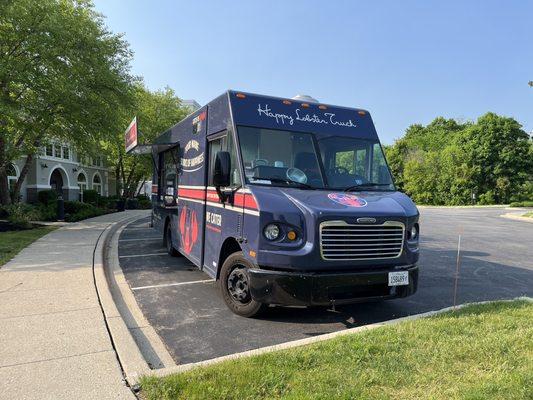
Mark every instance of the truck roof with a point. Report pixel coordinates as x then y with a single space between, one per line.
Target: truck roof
249 109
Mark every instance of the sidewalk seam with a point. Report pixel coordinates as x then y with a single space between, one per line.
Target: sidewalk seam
48 313
55 358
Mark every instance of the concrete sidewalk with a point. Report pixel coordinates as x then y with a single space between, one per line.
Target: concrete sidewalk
54 342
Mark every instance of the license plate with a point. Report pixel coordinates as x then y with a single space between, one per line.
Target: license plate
398 278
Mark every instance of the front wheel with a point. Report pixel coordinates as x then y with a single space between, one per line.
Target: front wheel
234 285
168 243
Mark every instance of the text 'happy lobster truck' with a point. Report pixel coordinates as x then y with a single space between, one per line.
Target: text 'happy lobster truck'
283 202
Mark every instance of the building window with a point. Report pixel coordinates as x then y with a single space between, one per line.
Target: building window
97 183
66 153
97 162
82 184
11 176
57 151
49 150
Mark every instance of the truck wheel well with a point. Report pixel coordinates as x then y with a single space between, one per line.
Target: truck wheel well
229 247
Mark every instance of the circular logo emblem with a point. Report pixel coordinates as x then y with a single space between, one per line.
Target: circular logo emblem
349 200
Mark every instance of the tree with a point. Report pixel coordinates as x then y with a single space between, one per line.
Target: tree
63 76
499 152
156 112
446 161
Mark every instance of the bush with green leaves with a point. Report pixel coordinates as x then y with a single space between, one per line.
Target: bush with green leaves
47 196
91 197
77 211
132 204
522 204
47 212
145 204
20 214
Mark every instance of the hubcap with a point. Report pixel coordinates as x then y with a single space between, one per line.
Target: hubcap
238 285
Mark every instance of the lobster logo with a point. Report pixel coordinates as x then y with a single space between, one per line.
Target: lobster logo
188 228
349 200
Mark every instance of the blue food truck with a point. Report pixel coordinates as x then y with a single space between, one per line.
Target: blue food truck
284 202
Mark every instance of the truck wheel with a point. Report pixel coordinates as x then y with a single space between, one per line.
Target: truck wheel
234 286
168 243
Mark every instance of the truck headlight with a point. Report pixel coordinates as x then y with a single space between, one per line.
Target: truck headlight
271 231
413 234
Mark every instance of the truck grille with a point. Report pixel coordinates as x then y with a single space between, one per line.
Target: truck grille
342 241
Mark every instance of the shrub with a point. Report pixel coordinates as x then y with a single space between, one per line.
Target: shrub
145 204
47 196
74 207
76 211
91 197
487 198
3 212
21 214
132 204
522 204
47 212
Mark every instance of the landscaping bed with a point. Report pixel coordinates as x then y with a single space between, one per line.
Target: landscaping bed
478 352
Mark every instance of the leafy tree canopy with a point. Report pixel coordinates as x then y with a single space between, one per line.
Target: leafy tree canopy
446 162
63 76
156 112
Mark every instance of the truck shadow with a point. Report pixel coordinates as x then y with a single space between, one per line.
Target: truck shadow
479 280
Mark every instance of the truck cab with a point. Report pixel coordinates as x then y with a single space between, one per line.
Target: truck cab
285 202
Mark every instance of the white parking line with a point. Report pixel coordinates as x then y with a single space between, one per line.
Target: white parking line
143 255
172 284
136 240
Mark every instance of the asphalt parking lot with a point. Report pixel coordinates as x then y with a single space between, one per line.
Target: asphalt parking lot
185 308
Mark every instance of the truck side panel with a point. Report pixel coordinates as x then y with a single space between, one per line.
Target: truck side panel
188 224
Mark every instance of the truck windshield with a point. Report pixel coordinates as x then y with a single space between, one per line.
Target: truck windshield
311 161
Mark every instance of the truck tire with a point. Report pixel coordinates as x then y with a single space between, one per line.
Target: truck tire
168 242
233 282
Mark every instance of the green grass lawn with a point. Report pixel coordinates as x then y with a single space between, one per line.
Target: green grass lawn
529 214
479 352
13 242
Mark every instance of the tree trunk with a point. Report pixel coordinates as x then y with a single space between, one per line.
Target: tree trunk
5 199
23 172
118 178
127 185
140 188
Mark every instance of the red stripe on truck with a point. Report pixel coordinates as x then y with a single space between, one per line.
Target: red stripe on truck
245 200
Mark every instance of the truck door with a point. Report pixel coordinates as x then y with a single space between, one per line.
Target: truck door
223 220
188 224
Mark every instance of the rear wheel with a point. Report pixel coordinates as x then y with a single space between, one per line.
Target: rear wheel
168 242
235 287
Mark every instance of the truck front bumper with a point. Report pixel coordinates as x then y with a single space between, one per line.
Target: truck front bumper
307 289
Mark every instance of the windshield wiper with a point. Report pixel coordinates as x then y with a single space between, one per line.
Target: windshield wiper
364 185
285 180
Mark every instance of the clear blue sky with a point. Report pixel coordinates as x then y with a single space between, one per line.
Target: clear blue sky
405 61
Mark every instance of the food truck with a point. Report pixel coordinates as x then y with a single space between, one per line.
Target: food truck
284 201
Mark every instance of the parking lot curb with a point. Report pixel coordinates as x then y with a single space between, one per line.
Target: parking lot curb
517 217
315 339
132 336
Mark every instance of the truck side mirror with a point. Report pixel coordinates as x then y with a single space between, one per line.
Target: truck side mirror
221 171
